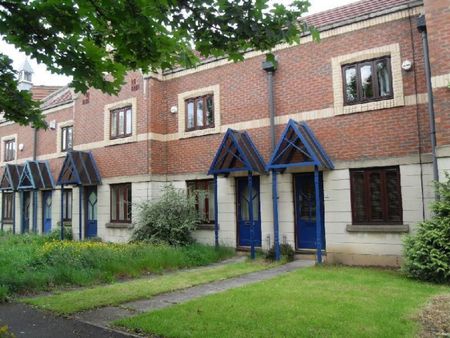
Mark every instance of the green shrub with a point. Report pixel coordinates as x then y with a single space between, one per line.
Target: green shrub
169 220
427 252
56 233
286 251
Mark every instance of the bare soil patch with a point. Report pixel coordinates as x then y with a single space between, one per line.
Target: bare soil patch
435 318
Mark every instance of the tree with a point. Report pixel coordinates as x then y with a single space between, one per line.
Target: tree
98 41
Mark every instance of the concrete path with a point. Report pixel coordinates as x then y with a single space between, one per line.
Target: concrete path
103 317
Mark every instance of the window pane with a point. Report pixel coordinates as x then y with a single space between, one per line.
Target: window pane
114 124
121 130
358 197
69 137
113 203
121 204
393 196
211 214
350 84
64 139
366 81
200 112
376 204
210 110
129 202
190 115
128 131
384 85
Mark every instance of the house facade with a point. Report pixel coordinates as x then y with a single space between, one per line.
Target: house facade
345 163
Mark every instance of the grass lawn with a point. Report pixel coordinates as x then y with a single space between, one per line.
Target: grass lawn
312 302
30 263
114 294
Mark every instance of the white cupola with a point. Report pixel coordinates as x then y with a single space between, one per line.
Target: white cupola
25 76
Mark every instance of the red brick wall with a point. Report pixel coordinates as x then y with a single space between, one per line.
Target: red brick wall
437 14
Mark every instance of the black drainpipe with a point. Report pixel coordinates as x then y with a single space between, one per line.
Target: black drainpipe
270 67
422 27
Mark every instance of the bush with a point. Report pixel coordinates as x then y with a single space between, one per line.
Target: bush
427 252
286 251
169 220
56 234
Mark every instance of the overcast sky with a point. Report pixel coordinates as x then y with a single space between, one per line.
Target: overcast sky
43 77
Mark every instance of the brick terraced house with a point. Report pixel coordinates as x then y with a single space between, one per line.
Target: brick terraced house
330 151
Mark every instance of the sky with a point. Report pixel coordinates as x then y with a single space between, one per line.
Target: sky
42 76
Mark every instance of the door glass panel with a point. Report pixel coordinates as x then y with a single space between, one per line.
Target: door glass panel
376 208
307 201
366 81
244 204
350 84
48 207
92 206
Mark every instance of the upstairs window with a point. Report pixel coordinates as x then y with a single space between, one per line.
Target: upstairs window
203 190
121 203
376 196
200 112
7 206
121 122
367 81
10 150
66 138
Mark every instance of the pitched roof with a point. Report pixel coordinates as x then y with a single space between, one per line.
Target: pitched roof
61 96
360 9
41 92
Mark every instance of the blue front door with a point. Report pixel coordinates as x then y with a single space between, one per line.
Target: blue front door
47 212
91 212
26 206
243 215
305 211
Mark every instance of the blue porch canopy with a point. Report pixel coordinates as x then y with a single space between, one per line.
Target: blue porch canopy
11 176
298 147
36 175
236 153
79 168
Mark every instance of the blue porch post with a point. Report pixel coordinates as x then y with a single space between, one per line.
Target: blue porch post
80 223
35 212
22 214
318 215
62 211
216 213
276 234
14 211
250 210
3 209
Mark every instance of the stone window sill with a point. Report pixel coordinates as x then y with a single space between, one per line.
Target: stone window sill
386 228
205 227
119 225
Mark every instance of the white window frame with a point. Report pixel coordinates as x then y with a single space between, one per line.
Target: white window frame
107 122
62 125
4 139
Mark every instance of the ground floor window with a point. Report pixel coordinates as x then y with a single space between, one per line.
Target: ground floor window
7 207
67 205
376 196
121 203
204 195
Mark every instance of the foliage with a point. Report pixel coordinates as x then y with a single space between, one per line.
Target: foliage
427 252
311 302
5 333
31 263
286 251
96 42
144 288
56 234
171 219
